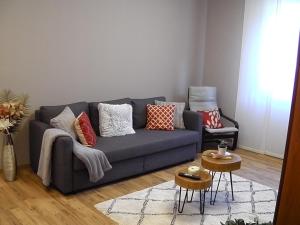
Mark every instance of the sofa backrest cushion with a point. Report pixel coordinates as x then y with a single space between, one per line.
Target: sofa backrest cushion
140 110
46 113
94 112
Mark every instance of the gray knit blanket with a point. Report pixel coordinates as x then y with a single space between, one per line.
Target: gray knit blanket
94 159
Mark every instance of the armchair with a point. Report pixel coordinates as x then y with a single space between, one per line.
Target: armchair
203 99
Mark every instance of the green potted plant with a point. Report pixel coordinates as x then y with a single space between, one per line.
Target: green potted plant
242 222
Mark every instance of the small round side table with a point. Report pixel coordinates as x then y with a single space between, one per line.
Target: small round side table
189 184
220 165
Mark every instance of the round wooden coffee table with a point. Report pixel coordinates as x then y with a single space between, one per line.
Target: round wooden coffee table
190 184
227 164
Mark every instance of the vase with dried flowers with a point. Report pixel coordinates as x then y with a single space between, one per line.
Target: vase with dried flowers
13 109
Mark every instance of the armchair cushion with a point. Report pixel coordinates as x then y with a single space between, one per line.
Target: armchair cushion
222 130
202 98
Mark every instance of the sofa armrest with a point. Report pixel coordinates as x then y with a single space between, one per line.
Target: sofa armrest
36 132
192 120
62 164
62 156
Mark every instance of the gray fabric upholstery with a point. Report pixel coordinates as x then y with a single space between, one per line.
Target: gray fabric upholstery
94 113
131 167
163 159
140 111
62 172
192 120
120 170
37 115
129 155
36 132
202 98
46 113
144 142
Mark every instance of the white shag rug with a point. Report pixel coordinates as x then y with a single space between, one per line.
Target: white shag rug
157 205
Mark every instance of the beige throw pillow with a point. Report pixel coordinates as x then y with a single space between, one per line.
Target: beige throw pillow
65 121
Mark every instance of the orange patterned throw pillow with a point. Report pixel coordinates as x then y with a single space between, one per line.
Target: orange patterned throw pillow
84 130
160 117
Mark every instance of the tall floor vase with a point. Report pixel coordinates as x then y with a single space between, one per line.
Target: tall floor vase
9 164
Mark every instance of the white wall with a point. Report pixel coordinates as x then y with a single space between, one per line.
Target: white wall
62 51
224 31
200 36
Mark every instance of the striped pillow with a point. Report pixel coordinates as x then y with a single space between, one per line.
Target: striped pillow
179 108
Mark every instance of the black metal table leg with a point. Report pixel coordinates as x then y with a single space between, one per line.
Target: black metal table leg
179 200
202 202
189 201
231 186
212 202
211 187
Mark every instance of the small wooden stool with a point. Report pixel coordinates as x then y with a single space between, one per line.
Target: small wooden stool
220 165
188 183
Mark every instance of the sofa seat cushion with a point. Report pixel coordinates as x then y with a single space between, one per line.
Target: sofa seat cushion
142 143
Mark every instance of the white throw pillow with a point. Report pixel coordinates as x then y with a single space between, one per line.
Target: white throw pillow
115 120
65 121
179 108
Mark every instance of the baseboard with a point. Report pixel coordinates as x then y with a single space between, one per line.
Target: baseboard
261 152
252 149
18 167
280 156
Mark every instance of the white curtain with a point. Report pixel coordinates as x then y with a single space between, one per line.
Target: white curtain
267 70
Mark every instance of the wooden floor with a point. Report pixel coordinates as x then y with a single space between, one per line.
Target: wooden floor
26 201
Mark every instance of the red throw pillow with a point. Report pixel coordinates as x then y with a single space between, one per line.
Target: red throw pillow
85 130
211 119
160 117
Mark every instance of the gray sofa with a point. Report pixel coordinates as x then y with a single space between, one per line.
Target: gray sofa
129 155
